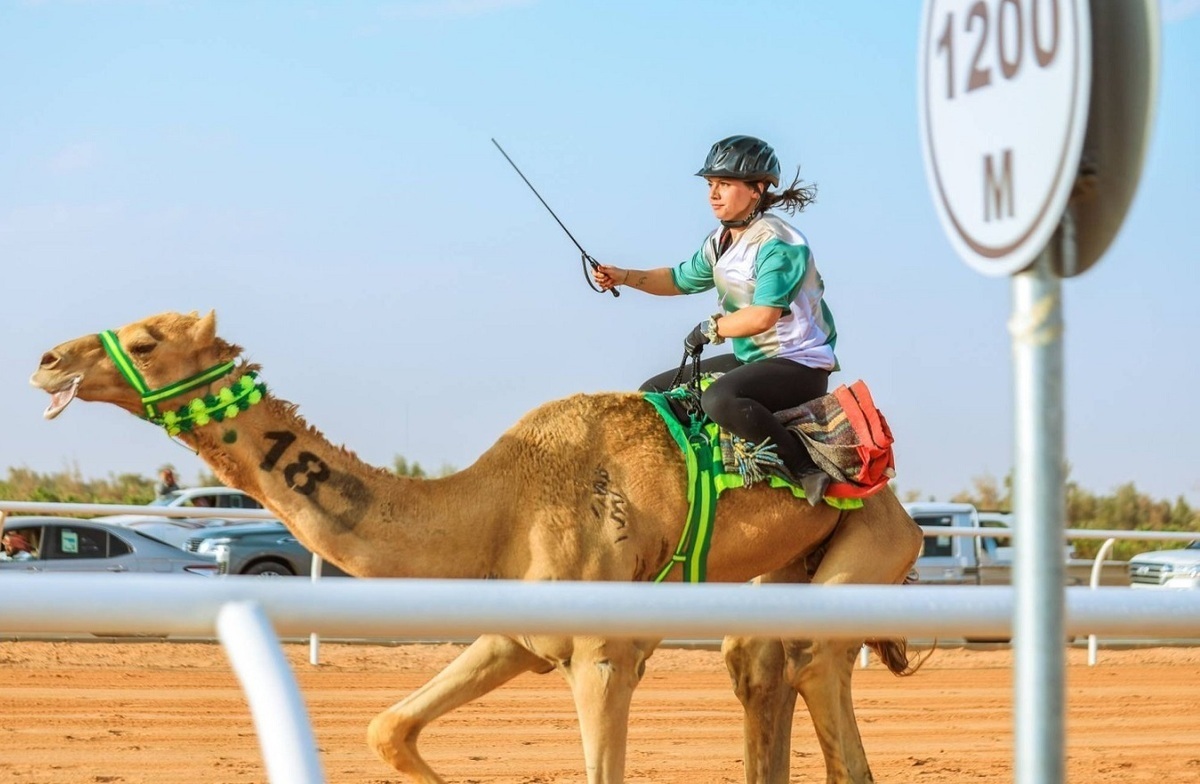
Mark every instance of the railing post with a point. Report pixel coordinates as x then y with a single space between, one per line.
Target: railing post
314 639
1097 568
280 718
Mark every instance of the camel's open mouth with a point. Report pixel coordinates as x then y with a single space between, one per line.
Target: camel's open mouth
61 397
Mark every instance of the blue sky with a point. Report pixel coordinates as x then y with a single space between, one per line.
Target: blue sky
322 176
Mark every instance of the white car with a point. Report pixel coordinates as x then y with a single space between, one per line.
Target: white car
1167 568
198 497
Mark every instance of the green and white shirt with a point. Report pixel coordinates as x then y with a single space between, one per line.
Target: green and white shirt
770 264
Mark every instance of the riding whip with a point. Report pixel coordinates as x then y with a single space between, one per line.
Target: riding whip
585 258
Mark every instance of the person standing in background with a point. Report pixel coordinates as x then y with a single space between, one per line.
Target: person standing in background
166 482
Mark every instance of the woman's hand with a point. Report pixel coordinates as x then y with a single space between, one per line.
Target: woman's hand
607 277
695 341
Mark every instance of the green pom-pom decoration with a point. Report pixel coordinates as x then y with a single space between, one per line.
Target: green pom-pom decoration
227 403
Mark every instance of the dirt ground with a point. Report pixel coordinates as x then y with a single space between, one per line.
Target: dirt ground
169 713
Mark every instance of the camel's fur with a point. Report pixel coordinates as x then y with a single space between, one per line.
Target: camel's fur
590 487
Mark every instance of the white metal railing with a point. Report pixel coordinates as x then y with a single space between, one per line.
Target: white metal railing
50 508
198 512
188 605
1069 533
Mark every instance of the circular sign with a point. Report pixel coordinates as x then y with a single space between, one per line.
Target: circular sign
1004 88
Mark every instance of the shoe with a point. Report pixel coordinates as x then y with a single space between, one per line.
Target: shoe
815 483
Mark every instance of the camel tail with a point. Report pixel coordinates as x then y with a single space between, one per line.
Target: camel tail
894 655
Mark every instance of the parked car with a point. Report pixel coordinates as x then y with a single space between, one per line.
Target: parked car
1179 568
65 544
176 530
960 560
266 549
984 560
200 497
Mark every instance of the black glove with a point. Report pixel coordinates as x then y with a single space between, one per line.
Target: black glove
693 344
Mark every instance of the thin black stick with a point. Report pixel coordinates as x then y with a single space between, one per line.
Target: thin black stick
586 256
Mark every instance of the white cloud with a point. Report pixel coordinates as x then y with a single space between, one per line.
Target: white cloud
447 9
74 158
1178 10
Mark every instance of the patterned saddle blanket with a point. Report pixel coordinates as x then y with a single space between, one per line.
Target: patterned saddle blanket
846 435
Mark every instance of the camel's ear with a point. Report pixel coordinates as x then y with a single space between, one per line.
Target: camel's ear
205 331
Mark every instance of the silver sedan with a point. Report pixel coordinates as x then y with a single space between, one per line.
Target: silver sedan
65 544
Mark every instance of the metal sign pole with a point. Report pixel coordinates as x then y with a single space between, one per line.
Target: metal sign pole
1036 162
1039 570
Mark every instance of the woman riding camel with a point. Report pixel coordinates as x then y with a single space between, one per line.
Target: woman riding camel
771 305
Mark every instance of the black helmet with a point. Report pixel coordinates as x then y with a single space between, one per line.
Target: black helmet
742 158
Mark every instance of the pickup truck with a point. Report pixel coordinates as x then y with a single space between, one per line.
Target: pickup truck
985 560
1178 568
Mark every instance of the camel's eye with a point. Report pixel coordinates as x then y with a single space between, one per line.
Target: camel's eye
142 349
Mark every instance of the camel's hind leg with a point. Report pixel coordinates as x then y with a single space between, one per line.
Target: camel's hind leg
487 663
602 674
876 544
756 666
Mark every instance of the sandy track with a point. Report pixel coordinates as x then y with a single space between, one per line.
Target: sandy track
170 713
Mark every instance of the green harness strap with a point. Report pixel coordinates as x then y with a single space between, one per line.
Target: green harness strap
151 397
224 403
707 479
692 550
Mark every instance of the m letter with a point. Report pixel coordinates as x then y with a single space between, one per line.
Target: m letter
997 192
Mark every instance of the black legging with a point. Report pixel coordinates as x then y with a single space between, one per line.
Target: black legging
744 399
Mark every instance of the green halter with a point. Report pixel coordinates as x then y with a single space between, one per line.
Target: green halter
226 403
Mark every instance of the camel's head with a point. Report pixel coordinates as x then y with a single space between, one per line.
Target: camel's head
162 349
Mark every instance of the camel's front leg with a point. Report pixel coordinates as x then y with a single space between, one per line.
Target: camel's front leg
487 663
756 667
602 675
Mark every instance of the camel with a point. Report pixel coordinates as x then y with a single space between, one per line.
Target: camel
589 487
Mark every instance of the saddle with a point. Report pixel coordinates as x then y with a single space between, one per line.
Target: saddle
846 435
718 461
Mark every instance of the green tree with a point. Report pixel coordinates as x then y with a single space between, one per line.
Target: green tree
402 467
986 494
69 486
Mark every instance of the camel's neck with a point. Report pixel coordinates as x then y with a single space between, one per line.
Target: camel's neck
366 520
